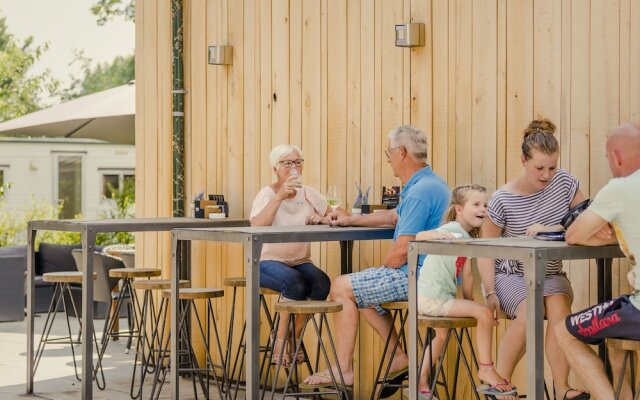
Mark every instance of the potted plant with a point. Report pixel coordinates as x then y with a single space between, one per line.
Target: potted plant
360 200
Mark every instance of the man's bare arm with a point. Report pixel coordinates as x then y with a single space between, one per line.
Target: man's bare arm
380 218
397 255
585 229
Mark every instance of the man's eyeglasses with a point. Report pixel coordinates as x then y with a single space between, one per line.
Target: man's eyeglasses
387 152
288 163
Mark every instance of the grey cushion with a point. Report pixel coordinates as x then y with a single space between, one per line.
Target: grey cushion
55 258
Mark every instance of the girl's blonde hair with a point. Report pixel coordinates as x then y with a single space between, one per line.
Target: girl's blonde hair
459 197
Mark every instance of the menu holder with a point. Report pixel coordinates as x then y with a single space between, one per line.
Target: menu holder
391 196
201 206
219 199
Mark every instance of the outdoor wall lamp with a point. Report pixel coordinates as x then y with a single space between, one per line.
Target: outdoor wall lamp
410 35
220 55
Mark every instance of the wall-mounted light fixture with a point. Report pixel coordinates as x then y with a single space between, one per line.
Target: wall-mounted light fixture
220 55
410 35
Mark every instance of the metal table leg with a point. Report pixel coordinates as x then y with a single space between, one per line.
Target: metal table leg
346 257
252 250
31 273
604 293
413 323
534 266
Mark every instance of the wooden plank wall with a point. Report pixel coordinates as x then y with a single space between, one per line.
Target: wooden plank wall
325 75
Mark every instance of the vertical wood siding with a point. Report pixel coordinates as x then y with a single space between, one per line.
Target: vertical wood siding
325 75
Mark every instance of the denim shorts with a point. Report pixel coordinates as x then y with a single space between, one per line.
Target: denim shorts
375 286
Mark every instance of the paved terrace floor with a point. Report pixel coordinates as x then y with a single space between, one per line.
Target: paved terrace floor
55 379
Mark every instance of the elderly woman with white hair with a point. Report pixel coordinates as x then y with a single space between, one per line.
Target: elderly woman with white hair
287 267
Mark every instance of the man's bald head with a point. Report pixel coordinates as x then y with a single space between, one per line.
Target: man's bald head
623 150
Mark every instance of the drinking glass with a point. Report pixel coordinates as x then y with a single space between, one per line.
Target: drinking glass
333 197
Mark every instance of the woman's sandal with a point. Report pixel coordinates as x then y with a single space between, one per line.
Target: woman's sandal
492 390
326 382
280 357
299 356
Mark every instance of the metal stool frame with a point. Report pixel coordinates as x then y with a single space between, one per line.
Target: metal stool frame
459 334
339 389
238 357
148 349
384 384
62 292
187 308
628 358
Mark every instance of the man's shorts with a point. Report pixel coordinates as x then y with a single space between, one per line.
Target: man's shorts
375 286
617 318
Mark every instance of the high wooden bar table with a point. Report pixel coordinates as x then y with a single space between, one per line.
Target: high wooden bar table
253 238
534 255
88 230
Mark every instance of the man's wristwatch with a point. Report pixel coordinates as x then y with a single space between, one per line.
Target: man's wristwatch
486 296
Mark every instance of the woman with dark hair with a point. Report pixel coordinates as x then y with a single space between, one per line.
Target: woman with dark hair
534 202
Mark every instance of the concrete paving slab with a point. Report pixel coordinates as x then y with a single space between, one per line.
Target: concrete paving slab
55 378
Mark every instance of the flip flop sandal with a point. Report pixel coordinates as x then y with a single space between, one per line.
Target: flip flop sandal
395 378
492 390
581 396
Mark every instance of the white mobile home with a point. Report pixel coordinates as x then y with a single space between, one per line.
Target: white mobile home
75 172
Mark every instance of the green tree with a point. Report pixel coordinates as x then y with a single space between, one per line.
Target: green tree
106 10
101 77
20 89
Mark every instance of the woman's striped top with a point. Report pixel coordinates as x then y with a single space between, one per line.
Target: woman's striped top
515 213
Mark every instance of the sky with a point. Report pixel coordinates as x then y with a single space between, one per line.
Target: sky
67 25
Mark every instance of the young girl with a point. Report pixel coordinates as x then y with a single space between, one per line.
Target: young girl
437 290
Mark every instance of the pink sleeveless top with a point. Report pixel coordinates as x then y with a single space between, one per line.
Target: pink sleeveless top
293 211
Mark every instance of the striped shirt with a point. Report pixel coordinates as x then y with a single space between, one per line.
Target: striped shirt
515 213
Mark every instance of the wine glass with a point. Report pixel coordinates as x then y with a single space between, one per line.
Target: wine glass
333 197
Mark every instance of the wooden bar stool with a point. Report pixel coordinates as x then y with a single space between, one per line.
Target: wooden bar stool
238 357
126 277
458 328
390 383
62 295
308 309
149 346
630 347
187 311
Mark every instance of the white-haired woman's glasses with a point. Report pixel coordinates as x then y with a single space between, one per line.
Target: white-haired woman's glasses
288 163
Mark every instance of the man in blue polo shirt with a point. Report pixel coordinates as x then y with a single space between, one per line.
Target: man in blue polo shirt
423 201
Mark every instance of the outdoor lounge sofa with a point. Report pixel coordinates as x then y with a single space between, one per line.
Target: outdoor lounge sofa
13 267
